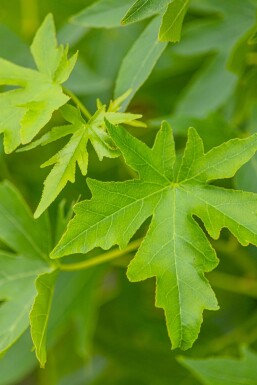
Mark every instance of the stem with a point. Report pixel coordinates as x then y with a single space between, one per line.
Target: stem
78 103
108 256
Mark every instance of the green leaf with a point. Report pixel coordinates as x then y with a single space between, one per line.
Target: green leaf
142 9
64 161
26 109
224 371
75 151
139 61
172 21
102 14
30 240
40 312
175 250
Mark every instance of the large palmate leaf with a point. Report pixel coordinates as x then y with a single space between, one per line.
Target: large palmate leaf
25 109
75 151
224 370
18 272
175 250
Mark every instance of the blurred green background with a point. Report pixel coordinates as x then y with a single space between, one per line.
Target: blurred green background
104 329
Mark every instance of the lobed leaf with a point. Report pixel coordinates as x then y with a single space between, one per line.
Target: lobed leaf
38 93
75 151
175 249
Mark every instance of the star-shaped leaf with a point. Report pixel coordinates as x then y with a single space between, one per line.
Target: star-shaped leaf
25 109
175 250
75 151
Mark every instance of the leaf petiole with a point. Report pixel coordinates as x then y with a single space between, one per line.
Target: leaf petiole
78 103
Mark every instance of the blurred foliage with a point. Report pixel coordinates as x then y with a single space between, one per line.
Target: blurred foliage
103 329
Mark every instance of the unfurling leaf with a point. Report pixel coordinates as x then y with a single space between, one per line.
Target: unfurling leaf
175 250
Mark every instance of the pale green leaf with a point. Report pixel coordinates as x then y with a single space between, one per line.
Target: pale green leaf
175 250
75 151
40 312
224 370
172 21
25 110
139 61
142 9
51 136
102 14
44 48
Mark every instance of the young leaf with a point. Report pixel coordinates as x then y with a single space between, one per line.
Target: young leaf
40 312
30 240
172 21
224 371
175 250
142 9
25 110
139 61
75 151
102 14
